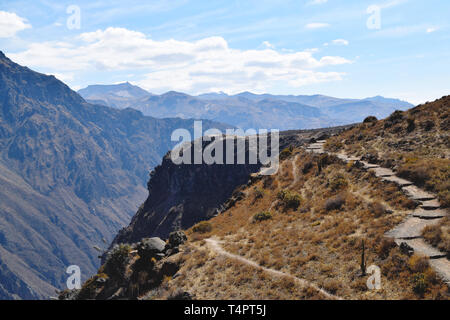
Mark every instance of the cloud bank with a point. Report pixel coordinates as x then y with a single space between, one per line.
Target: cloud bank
204 65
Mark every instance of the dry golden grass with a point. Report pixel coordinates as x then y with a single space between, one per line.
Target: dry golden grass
439 235
312 242
416 142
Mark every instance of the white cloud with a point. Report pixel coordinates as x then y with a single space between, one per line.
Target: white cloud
318 1
340 42
431 29
316 25
267 44
11 23
392 3
194 67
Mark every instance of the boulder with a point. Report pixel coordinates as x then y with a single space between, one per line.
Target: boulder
150 247
176 238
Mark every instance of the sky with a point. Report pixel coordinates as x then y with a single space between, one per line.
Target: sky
341 48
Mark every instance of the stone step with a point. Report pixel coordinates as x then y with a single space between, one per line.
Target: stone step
369 165
442 268
429 214
401 182
416 193
430 204
315 146
411 228
346 157
422 248
383 172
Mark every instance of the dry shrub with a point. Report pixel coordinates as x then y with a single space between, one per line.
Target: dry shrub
417 174
285 153
202 227
377 209
394 264
258 193
418 264
289 199
335 203
332 285
307 167
338 182
261 216
268 182
437 237
385 247
432 174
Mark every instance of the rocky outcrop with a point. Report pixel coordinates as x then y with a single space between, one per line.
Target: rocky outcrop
132 271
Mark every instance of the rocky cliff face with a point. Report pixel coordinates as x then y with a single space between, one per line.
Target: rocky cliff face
71 175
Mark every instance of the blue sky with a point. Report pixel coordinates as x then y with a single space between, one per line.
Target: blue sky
281 47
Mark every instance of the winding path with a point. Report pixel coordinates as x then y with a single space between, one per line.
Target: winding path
216 247
409 231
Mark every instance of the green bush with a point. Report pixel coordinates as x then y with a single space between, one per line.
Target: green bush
261 216
258 193
202 227
117 260
286 153
338 182
290 200
419 283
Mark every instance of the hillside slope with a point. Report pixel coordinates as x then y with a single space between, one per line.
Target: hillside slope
71 175
182 195
415 144
300 234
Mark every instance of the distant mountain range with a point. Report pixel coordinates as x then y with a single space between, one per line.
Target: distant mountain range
246 110
71 175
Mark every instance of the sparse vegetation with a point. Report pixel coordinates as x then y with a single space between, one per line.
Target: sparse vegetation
308 245
258 193
117 260
263 215
202 227
289 200
338 182
370 119
335 203
285 153
439 235
377 209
